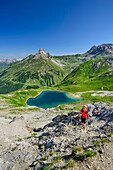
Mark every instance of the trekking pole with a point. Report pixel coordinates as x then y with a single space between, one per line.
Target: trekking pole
71 122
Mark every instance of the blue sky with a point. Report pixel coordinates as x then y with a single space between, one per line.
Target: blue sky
59 26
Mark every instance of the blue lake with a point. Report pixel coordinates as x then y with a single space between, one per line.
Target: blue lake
49 99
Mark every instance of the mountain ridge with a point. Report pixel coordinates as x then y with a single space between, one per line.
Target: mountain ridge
94 50
102 50
6 61
45 70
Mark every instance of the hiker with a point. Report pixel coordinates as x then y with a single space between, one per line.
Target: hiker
85 115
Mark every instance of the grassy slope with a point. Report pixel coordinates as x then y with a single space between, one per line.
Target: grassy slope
69 61
30 73
92 75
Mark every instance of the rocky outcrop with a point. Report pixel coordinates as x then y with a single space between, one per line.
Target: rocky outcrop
63 144
107 49
42 53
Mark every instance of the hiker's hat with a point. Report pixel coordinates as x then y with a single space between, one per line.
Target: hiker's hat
85 106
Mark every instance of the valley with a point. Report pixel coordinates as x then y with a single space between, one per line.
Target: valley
37 138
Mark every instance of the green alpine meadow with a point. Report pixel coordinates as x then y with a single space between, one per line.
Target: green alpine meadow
92 70
91 75
84 73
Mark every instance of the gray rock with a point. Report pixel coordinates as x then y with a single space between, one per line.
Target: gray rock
61 135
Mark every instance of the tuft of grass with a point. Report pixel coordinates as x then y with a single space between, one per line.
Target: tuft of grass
40 136
33 135
110 134
62 107
46 168
47 156
56 159
105 140
37 118
88 153
9 117
19 139
36 144
77 108
97 143
6 117
71 163
76 149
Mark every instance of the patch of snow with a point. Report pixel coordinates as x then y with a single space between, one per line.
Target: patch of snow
103 93
9 95
96 93
56 62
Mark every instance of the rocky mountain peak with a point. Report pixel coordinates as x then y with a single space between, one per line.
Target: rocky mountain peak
42 53
92 49
107 48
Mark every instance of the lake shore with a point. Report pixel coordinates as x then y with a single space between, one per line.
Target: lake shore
52 98
73 95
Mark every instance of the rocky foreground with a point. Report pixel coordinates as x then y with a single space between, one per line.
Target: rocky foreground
60 144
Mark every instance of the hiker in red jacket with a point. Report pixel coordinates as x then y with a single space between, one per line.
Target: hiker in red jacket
85 115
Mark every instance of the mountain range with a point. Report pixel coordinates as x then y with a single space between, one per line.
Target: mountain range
6 61
45 70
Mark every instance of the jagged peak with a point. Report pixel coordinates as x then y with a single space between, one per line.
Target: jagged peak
92 48
43 53
42 50
95 50
102 45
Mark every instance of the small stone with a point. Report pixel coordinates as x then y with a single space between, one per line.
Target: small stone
101 151
37 164
1 161
89 167
89 149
